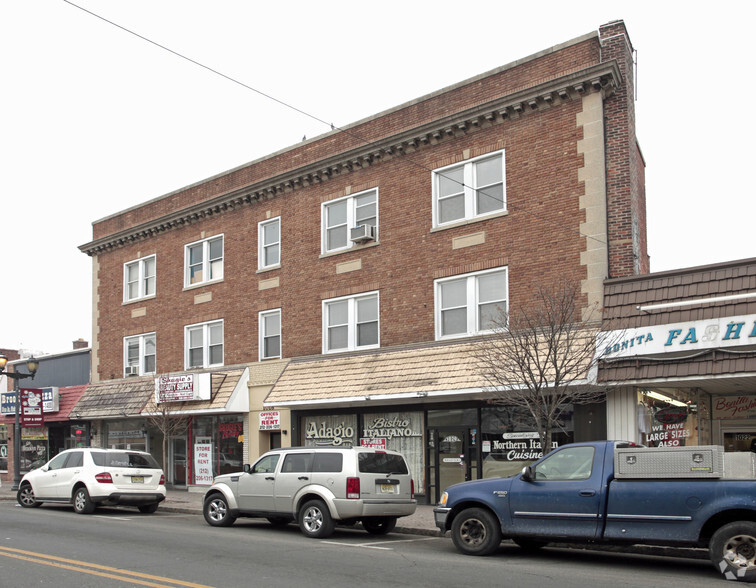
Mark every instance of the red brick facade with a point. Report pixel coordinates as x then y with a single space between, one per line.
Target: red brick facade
528 109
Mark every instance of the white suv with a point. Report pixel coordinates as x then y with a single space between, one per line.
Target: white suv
87 477
318 487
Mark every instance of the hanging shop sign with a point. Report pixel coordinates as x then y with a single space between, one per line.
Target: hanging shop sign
182 388
731 331
31 408
270 420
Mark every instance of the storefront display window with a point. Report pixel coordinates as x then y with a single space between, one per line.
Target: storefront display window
668 419
128 435
509 440
217 446
34 447
402 432
3 448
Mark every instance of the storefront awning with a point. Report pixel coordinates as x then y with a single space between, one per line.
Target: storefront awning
440 371
229 393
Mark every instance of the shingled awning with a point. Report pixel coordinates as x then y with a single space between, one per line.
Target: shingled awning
410 374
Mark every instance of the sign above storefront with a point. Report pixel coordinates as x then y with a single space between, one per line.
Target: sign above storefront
31 407
731 331
50 400
182 388
733 407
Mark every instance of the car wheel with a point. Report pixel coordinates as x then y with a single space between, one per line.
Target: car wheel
82 503
278 521
217 512
732 550
379 525
25 497
149 508
530 544
315 520
475 531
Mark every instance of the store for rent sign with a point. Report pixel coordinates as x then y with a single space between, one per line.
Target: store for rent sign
203 464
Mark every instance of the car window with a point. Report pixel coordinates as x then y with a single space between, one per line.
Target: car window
121 459
266 464
75 459
57 462
382 463
327 462
297 462
571 463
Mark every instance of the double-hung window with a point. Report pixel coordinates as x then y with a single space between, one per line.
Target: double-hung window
269 243
139 355
469 190
350 323
139 278
204 261
270 334
342 215
203 345
471 304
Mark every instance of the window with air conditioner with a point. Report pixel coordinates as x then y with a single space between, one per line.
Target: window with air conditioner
351 322
139 355
340 217
471 190
471 304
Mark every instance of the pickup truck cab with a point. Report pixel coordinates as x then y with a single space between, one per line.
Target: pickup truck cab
573 495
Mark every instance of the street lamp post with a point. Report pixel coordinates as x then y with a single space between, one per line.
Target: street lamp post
32 365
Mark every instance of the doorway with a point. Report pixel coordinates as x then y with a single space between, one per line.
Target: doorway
177 461
454 458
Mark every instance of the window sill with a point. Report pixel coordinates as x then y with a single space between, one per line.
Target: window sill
137 300
270 268
469 221
349 249
201 284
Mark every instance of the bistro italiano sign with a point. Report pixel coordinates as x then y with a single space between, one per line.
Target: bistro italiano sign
731 331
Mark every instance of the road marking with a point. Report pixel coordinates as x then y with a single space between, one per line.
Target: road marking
97 570
366 546
375 544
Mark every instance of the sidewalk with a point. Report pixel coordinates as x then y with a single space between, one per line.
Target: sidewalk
420 523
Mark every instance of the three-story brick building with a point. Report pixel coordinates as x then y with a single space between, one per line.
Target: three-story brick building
327 293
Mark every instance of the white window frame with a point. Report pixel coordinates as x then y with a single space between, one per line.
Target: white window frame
262 247
141 341
143 278
264 336
351 323
205 329
469 189
472 302
351 221
207 263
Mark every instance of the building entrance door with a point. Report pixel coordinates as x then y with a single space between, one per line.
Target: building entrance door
177 458
454 458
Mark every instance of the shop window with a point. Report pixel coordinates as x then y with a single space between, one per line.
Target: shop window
667 420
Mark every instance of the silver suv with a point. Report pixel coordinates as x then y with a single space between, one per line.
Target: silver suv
317 487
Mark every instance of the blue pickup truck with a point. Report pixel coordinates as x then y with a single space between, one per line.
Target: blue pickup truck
572 495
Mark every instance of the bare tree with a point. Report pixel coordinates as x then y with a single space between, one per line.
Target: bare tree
165 418
542 356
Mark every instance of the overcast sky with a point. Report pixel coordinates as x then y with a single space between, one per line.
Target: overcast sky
96 120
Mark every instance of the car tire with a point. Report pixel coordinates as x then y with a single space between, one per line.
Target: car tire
732 550
278 521
315 520
217 512
82 503
148 508
25 497
475 531
379 525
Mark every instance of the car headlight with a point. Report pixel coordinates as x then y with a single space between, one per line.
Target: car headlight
444 498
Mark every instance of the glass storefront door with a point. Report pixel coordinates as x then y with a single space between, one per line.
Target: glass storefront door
454 458
177 459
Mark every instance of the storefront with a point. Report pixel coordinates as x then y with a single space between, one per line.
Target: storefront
682 358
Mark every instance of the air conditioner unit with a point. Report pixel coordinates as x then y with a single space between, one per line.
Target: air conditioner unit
131 370
362 233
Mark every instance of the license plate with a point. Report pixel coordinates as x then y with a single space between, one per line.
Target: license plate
137 479
387 488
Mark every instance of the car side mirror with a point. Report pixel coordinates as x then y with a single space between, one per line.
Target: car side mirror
246 468
528 474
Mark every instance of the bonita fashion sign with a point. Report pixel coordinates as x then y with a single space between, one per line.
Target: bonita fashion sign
732 331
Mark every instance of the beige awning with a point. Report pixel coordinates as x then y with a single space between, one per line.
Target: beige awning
409 374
